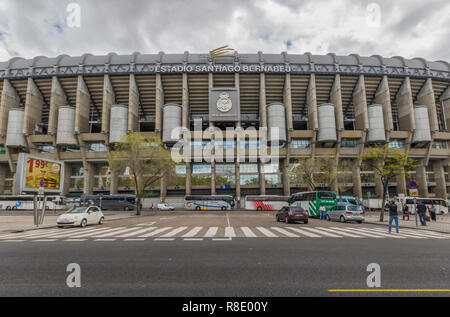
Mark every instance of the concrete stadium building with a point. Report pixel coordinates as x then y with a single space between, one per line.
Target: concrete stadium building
74 108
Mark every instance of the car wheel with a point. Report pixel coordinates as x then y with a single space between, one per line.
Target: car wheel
286 220
197 208
102 221
278 219
60 227
127 208
14 208
223 208
8 208
259 209
305 222
342 219
83 223
359 221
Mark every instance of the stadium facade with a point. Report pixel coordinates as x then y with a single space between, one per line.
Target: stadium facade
74 108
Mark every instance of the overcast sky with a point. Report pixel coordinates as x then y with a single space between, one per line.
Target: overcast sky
411 28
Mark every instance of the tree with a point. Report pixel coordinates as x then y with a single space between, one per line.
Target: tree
145 159
318 170
387 164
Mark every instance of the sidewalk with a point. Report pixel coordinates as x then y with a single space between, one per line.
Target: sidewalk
441 225
24 221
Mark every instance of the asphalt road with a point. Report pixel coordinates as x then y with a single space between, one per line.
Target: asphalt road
241 267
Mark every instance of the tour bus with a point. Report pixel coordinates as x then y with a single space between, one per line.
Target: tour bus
110 202
439 203
348 200
312 201
207 202
26 202
265 202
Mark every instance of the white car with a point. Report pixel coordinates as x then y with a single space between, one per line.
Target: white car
165 207
81 216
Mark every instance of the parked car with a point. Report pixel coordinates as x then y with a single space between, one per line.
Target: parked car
165 207
81 216
344 213
292 214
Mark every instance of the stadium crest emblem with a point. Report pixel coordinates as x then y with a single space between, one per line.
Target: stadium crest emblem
224 103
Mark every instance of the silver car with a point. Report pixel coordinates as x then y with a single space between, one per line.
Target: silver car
344 213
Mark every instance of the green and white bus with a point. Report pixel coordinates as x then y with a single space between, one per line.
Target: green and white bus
311 201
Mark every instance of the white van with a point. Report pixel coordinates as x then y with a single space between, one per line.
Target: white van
440 204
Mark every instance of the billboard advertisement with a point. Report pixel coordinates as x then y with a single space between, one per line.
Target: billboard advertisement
34 172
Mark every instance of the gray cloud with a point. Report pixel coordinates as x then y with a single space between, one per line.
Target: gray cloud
30 28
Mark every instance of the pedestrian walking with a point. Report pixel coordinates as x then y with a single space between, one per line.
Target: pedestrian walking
322 212
433 213
393 215
422 212
405 212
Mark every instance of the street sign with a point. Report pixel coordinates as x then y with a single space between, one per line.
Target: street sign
412 184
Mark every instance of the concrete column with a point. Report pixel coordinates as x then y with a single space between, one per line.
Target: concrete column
109 99
383 98
356 179
159 102
58 98
10 99
33 108
405 107
213 177
89 170
262 100
163 189
401 185
439 174
114 187
237 85
285 175
262 181
82 107
336 100
311 104
422 180
188 178
185 102
360 104
445 99
426 97
288 102
133 105
3 171
67 173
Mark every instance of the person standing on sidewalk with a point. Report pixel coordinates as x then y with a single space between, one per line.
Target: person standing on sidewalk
433 213
322 212
405 212
393 215
422 212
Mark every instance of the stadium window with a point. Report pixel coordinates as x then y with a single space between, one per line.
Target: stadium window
349 143
396 144
300 143
95 147
440 145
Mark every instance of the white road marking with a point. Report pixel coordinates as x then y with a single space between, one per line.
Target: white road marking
266 232
345 234
105 240
75 240
111 234
408 235
44 240
429 234
229 232
154 233
370 235
173 232
193 239
28 234
285 232
212 231
13 240
63 234
79 231
135 233
365 230
248 232
193 232
324 233
94 233
304 232
134 240
146 224
164 239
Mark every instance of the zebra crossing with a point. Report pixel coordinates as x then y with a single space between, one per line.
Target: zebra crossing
199 233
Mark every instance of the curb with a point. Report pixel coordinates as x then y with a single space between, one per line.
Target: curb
419 228
54 226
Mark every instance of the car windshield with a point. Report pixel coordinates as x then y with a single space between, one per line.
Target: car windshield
76 210
298 209
352 201
353 208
